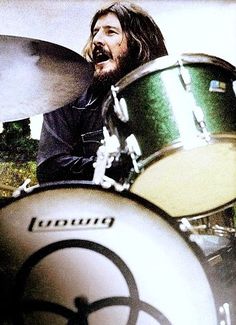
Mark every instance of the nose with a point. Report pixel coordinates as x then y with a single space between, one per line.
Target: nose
98 38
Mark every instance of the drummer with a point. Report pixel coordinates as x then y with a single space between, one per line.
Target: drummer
123 37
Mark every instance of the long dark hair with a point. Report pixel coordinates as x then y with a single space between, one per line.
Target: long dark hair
145 40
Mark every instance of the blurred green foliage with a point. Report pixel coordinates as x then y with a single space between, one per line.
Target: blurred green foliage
14 174
18 154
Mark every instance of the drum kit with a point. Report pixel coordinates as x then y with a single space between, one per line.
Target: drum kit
158 245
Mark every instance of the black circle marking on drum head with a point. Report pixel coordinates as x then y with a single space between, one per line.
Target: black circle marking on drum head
21 306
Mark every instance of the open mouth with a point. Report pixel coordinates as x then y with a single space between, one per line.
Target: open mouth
100 56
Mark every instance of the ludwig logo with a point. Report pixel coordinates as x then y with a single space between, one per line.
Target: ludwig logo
71 223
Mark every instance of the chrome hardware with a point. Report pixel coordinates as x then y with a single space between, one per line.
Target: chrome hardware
100 165
221 231
120 106
124 110
23 188
234 87
107 152
198 114
108 182
184 76
224 311
185 226
134 151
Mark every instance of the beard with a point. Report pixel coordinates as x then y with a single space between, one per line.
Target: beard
103 82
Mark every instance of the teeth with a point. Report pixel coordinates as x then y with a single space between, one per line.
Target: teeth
100 56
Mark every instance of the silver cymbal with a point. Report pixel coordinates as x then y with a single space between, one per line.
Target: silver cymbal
37 77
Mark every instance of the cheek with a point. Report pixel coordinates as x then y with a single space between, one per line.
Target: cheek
120 47
120 51
124 47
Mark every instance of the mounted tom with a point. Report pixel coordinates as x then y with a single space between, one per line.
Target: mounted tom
175 118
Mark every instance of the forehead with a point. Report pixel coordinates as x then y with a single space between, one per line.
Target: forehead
108 20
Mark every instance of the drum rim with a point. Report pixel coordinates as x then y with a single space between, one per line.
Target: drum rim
73 184
172 222
171 61
60 185
228 205
177 145
185 236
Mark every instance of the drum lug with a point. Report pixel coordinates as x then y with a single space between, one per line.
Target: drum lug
198 114
120 106
134 151
185 77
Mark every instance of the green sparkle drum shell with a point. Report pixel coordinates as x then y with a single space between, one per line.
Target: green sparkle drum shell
184 168
154 93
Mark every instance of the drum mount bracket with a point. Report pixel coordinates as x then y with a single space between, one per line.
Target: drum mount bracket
23 189
109 151
106 154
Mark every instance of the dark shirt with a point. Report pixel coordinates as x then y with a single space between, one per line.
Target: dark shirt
69 141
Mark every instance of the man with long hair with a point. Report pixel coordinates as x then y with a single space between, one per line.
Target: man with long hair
123 37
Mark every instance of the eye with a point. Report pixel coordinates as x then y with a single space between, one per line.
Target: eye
111 32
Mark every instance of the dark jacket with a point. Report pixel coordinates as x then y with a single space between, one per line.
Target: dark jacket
69 140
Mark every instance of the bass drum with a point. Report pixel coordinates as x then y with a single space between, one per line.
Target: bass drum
76 254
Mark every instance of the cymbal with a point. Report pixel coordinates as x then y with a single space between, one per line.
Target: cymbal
37 77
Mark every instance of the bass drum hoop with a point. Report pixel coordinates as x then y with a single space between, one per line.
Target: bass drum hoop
197 252
126 194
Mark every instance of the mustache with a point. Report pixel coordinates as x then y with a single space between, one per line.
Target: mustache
100 53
